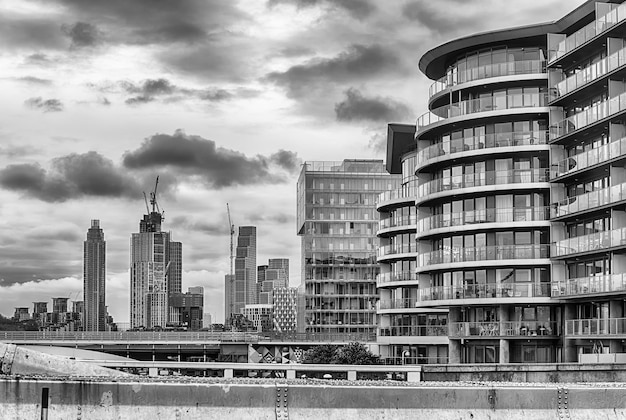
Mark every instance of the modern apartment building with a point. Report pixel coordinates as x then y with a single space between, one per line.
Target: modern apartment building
521 229
94 279
285 309
337 222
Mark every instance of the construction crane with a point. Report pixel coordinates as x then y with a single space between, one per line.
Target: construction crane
231 229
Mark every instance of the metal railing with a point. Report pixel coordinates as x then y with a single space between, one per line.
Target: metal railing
589 116
486 141
414 331
482 291
393 277
397 249
591 157
472 106
497 215
504 329
405 303
591 242
414 360
397 221
483 253
483 72
400 193
595 327
514 176
604 283
589 200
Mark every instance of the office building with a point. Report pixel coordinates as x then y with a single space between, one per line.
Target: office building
272 276
242 289
519 203
337 222
229 296
94 278
285 309
188 307
260 316
21 314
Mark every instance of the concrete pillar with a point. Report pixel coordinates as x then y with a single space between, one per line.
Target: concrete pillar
454 351
352 375
505 354
414 376
505 350
569 346
291 374
228 373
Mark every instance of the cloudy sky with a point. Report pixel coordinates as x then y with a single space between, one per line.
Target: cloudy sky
223 99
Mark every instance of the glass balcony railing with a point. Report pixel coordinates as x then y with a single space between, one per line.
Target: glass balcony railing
491 103
605 283
515 176
396 249
591 157
414 360
504 329
414 331
483 253
589 74
487 141
398 303
395 222
588 32
384 278
484 72
589 200
482 291
396 195
595 327
589 116
591 242
505 215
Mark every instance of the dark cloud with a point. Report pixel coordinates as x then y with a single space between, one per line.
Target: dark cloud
71 176
217 166
82 34
357 63
445 20
138 100
34 80
356 107
57 235
30 33
296 51
356 8
45 105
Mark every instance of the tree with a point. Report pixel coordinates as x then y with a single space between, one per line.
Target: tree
355 354
322 354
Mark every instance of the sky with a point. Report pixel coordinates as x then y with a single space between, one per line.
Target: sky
222 99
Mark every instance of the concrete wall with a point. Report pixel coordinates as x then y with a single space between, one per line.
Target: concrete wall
136 399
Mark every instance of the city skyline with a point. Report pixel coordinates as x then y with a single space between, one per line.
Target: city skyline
223 100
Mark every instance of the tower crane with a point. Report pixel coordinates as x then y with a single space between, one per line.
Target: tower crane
231 229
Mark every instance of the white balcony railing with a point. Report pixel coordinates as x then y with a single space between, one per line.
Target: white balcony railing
589 116
504 329
589 200
591 157
592 242
385 278
491 215
604 283
482 291
483 253
595 327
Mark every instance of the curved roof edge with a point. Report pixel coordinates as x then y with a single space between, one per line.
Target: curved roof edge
432 63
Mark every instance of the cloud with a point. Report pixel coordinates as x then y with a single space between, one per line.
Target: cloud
452 19
12 151
45 105
72 176
16 33
217 166
34 80
356 8
356 107
213 227
357 63
82 34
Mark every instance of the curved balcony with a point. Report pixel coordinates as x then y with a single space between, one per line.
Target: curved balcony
390 222
590 200
384 278
483 291
595 327
487 141
394 197
504 329
390 250
414 331
407 303
591 157
589 116
473 106
593 285
590 243
498 215
483 253
589 74
514 176
587 33
484 72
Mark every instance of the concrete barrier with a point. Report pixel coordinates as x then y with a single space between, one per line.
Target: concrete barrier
123 398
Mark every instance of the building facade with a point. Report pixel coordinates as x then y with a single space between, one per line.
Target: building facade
285 309
94 279
242 289
519 201
337 222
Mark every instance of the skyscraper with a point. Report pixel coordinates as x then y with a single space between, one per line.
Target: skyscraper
243 289
337 221
94 279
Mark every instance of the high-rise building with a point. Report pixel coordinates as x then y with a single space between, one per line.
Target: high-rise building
337 222
280 264
21 314
188 308
285 309
94 279
271 276
242 290
259 315
519 203
59 305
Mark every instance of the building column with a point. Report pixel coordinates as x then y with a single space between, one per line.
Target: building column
505 353
569 346
615 311
454 345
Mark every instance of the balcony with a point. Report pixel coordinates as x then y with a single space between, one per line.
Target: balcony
487 141
592 157
393 196
483 253
588 32
485 72
387 250
397 222
384 278
595 327
589 243
590 200
397 303
504 329
589 74
483 291
414 331
488 104
607 283
589 116
504 215
515 176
